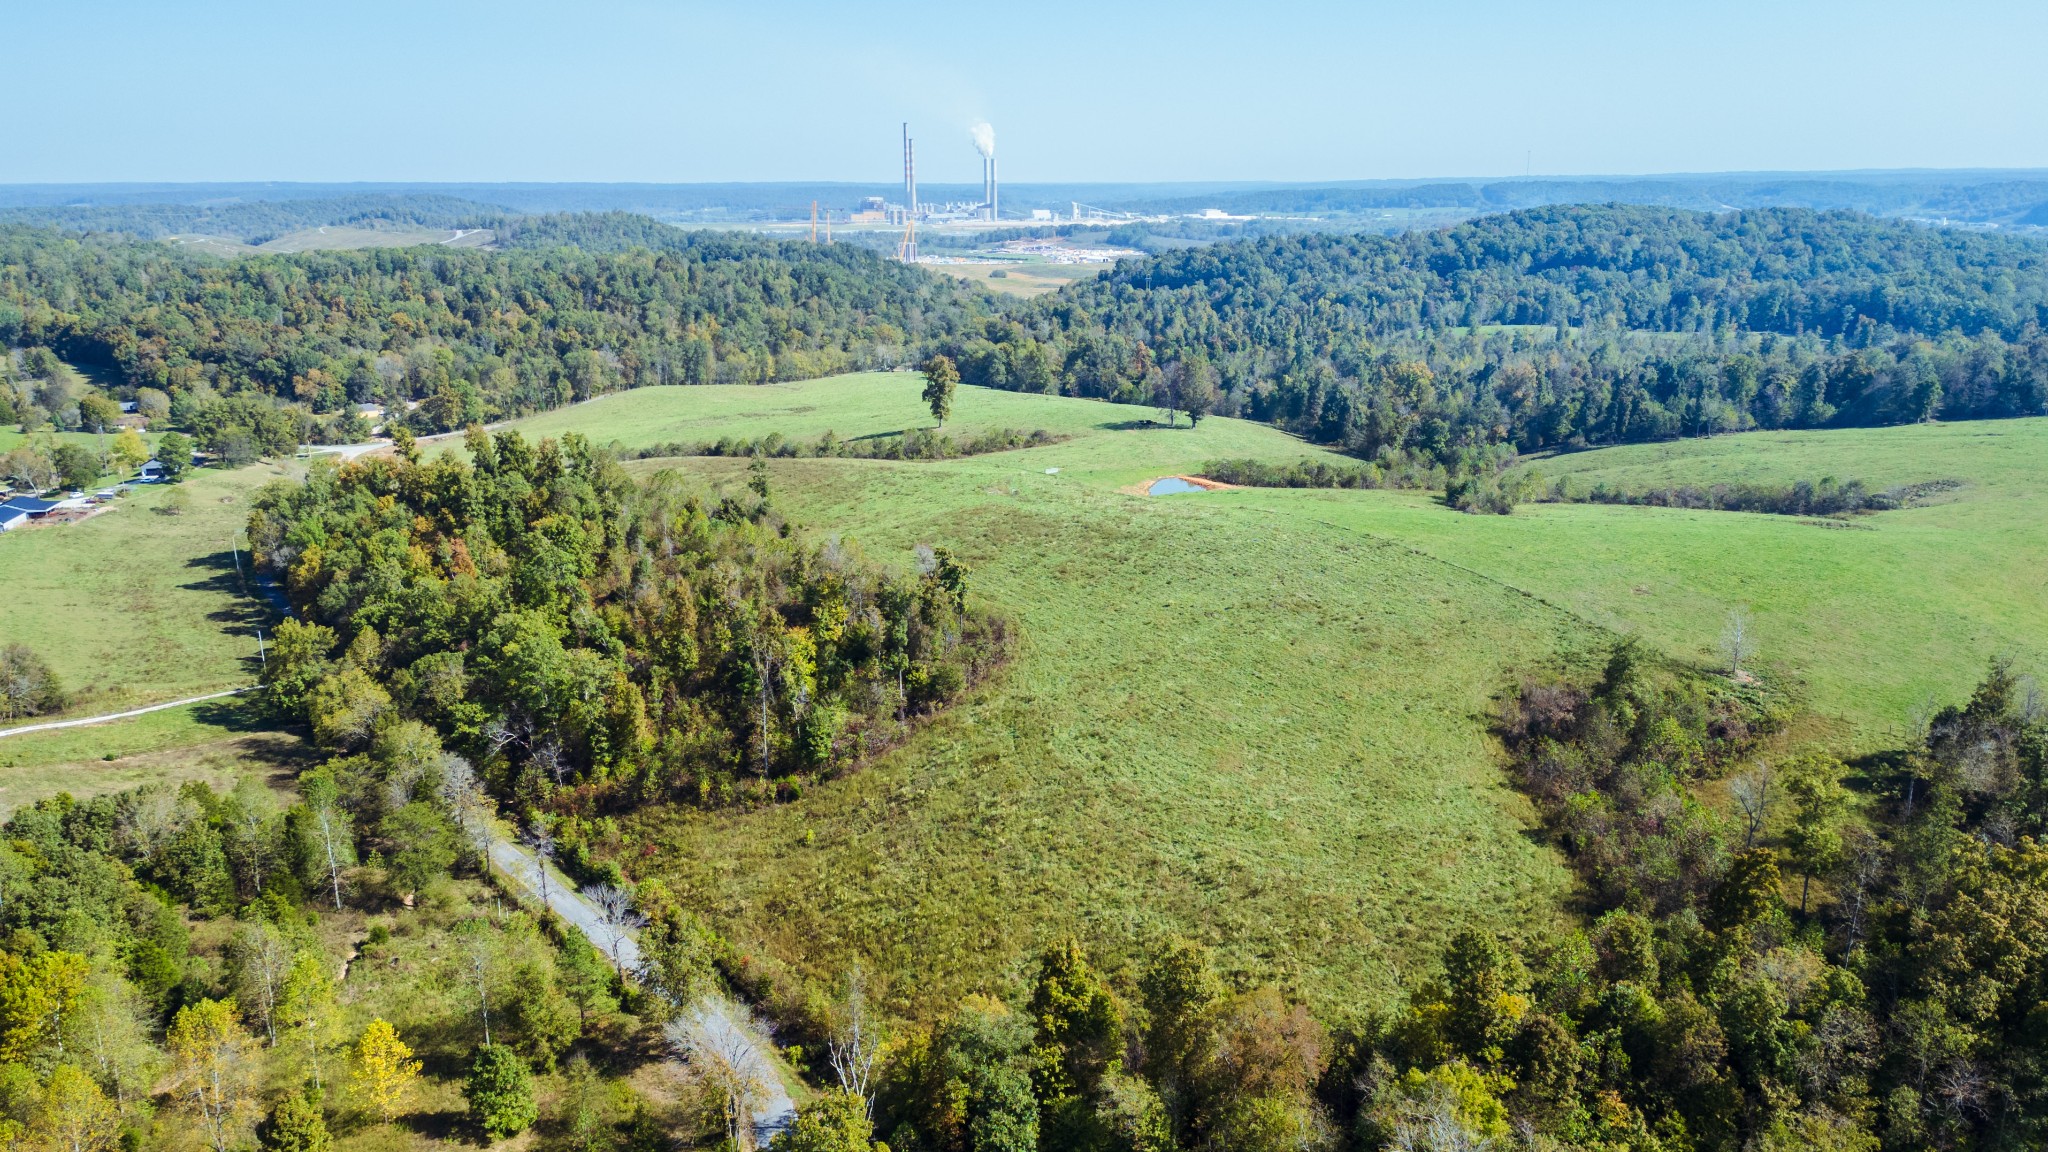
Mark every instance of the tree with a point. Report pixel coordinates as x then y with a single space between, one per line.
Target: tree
1752 793
260 962
384 1069
75 1115
37 996
307 1010
98 412
424 845
174 452
538 1015
343 708
716 1049
499 1089
941 378
835 1121
329 823
616 915
27 685
30 467
1815 837
77 465
857 1040
540 837
1181 996
109 1032
152 404
1738 642
295 1125
213 1072
1079 1024
129 451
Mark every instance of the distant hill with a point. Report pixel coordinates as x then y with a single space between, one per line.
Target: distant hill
257 222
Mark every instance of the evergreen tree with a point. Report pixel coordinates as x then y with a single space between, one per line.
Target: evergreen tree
499 1089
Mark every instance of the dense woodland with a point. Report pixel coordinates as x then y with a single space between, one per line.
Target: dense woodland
468 336
1553 328
1539 329
585 639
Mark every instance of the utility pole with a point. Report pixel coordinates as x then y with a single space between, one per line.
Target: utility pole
262 657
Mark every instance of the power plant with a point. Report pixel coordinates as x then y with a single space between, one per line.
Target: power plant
910 213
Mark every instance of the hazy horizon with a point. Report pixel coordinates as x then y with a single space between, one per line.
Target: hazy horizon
1304 93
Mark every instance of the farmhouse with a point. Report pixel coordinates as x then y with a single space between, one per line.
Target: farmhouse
151 473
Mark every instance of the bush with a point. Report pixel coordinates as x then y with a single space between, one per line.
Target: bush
27 685
296 1125
499 1089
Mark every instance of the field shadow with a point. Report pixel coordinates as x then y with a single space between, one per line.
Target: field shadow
1132 425
238 714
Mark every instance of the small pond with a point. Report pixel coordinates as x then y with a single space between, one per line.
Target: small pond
1171 484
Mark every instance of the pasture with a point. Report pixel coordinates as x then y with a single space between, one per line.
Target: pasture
133 606
1262 716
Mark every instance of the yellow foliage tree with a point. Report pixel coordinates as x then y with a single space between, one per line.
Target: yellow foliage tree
213 1052
384 1068
75 1115
130 450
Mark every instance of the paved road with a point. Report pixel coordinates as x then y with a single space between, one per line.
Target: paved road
714 1013
80 723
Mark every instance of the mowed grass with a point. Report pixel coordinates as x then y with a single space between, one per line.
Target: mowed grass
132 607
1114 443
219 742
1867 621
1021 278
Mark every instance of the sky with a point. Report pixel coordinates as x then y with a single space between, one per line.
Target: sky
1282 90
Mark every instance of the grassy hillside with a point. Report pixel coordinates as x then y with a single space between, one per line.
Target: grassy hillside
1247 728
1110 442
1867 621
1255 729
1260 716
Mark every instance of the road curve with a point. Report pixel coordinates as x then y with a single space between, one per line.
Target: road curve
777 1109
83 721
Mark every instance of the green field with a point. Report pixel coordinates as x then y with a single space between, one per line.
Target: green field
1114 443
133 607
1261 716
1252 728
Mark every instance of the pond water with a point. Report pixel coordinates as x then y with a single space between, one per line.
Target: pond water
1172 484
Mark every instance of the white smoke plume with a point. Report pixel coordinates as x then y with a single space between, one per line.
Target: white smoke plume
984 139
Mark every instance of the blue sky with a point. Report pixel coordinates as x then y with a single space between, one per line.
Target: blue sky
672 92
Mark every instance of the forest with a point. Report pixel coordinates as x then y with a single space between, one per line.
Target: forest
467 336
585 640
1547 328
1552 328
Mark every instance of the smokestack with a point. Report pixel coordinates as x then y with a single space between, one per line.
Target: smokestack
909 173
994 190
985 143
